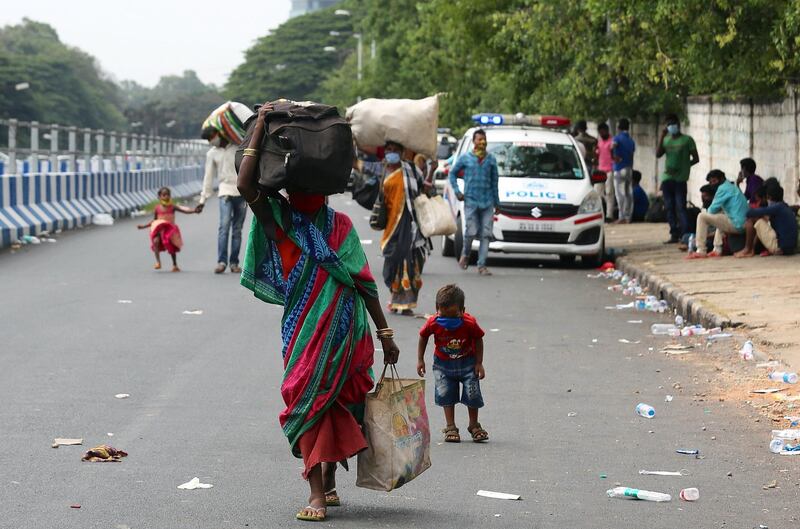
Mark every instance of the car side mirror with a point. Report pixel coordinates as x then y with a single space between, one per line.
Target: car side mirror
599 177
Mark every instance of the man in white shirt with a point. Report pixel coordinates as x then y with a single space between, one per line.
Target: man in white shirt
220 163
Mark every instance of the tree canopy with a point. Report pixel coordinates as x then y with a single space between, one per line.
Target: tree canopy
66 84
583 58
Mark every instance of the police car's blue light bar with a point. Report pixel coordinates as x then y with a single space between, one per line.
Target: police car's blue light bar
521 119
488 119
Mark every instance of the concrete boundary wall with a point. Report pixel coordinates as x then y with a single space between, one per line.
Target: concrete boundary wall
37 202
726 132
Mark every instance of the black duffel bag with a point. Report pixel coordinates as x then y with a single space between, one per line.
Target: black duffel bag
366 189
307 147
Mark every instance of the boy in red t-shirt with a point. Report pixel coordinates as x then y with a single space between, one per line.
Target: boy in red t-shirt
457 360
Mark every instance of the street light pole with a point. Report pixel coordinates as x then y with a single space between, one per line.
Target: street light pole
360 62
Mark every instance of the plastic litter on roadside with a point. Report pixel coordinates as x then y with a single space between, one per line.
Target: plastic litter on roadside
102 219
783 376
668 398
193 484
681 472
122 395
124 301
690 494
746 352
193 312
647 495
688 452
765 391
499 495
645 410
66 441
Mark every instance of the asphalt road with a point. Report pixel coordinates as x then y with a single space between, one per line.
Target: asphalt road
204 402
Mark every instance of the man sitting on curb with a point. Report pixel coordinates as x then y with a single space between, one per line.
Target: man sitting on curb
775 226
726 213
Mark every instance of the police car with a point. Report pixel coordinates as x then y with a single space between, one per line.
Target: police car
547 203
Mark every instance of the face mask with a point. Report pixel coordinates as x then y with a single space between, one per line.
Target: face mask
165 201
673 129
449 323
392 158
216 141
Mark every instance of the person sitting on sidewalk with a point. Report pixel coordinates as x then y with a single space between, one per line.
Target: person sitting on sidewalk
640 201
752 181
774 226
726 213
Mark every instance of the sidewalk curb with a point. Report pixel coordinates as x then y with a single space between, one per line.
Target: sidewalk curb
687 306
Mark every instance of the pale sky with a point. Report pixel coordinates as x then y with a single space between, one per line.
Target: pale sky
142 40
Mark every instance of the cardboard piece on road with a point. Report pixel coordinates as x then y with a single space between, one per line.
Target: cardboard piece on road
66 441
194 483
499 495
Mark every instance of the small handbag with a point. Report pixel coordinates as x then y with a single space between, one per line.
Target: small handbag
379 216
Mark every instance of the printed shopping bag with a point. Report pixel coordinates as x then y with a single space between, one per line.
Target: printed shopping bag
398 434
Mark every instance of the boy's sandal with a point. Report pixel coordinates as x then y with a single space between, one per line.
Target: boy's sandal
484 271
332 499
478 433
451 435
318 516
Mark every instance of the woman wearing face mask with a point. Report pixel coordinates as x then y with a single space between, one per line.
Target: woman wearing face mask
403 246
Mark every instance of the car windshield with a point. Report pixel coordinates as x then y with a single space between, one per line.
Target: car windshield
443 151
529 159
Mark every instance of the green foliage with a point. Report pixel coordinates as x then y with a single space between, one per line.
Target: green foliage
175 107
66 85
291 62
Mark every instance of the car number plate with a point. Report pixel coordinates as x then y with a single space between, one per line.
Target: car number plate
536 226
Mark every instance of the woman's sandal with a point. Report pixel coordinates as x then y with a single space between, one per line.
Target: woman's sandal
478 434
318 516
157 266
332 499
451 434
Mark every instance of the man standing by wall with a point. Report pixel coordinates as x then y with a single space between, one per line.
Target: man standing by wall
681 156
589 143
623 149
605 163
221 164
480 198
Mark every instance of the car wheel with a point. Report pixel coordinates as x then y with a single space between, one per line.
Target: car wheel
567 260
448 247
594 261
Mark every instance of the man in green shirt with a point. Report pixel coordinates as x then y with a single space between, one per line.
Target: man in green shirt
681 156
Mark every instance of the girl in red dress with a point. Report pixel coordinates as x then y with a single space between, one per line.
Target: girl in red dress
165 236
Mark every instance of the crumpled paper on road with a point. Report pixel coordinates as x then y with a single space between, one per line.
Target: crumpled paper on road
104 454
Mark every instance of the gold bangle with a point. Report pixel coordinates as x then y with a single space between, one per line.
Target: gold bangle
250 152
258 195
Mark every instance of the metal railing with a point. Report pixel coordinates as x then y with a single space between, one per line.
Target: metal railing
32 147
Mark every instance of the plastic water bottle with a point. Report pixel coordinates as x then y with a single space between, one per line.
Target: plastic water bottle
645 410
776 445
664 329
678 321
747 350
690 494
783 376
625 492
719 337
663 306
692 244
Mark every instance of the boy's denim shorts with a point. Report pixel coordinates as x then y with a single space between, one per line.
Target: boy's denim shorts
449 375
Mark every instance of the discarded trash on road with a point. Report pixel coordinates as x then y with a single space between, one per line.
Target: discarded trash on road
102 219
194 483
783 376
647 495
122 395
75 506
645 410
124 301
104 454
688 452
690 494
193 312
30 239
765 391
499 495
668 398
779 444
66 441
681 472
572 414
746 352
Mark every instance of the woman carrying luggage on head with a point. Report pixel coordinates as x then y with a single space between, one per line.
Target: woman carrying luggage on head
403 246
313 264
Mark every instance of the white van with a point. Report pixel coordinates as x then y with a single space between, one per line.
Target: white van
547 202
